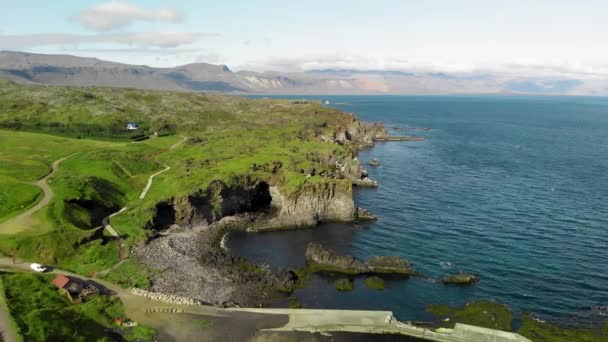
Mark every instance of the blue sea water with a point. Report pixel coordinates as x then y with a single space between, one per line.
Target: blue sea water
512 188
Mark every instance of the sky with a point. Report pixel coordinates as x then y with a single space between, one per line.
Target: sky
544 38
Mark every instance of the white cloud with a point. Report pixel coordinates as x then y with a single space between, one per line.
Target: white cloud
138 39
118 14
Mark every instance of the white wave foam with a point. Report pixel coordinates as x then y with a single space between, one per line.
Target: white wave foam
446 265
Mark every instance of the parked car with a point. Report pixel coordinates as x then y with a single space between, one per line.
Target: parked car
38 268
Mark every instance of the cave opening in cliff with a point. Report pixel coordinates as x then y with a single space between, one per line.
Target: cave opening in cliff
255 199
164 217
87 214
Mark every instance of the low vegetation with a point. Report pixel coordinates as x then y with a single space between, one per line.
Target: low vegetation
41 313
129 274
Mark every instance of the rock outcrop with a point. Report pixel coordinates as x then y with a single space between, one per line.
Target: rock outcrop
352 170
461 279
374 162
365 215
318 203
321 259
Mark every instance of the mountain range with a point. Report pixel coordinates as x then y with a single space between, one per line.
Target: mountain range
30 68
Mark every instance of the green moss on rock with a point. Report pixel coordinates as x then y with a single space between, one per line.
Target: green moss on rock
483 313
546 332
344 284
374 283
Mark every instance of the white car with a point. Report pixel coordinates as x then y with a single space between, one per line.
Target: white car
38 268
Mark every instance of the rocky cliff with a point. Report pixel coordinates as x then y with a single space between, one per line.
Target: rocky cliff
332 201
268 206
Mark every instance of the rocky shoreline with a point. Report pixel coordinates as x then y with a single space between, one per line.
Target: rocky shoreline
185 252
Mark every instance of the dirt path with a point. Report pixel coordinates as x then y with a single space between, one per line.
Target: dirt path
150 180
23 221
167 168
106 222
179 142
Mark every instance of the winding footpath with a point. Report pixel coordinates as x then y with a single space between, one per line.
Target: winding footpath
106 220
23 221
167 168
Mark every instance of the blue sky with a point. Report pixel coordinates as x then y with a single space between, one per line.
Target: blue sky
535 38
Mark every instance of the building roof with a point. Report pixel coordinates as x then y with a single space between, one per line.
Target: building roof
61 281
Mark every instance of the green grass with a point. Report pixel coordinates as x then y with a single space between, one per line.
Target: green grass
65 233
4 303
129 274
16 197
42 314
27 156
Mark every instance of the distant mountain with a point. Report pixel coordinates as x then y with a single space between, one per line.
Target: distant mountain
32 68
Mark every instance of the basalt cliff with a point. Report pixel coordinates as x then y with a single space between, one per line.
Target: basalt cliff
188 229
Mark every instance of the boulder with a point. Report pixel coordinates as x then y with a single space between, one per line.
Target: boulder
374 162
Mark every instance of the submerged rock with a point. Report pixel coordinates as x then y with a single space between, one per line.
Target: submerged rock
321 259
344 284
397 138
365 215
374 283
461 279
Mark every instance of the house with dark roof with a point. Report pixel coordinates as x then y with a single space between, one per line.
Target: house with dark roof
77 290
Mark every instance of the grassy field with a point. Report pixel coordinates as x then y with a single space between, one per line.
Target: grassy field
101 173
41 313
16 197
229 139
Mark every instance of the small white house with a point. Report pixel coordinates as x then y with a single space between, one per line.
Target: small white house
132 126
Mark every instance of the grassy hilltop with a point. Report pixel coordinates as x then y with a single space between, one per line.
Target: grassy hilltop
228 139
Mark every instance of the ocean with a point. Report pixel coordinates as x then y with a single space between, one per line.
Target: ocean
511 188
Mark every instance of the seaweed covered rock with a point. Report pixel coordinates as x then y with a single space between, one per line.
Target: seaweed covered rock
389 264
461 279
374 283
344 284
322 259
